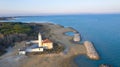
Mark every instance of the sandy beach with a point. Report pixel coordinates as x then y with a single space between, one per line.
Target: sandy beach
64 59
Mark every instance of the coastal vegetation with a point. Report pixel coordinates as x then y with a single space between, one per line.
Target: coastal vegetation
11 28
11 32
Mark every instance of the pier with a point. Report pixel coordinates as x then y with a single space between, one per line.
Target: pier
91 52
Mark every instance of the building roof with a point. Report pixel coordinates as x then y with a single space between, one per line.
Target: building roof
47 41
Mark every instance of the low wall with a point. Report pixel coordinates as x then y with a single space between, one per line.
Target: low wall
91 52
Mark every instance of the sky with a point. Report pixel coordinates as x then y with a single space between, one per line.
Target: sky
46 7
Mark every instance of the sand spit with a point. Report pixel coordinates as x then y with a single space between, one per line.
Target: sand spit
64 59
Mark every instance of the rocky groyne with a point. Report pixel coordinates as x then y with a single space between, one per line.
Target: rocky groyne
91 52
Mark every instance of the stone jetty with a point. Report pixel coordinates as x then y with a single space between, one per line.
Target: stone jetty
91 52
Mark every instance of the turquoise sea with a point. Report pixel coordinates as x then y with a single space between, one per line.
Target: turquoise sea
102 29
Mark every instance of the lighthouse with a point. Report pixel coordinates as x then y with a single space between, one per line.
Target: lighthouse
39 40
42 44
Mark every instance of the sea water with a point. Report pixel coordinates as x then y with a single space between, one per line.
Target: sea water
102 29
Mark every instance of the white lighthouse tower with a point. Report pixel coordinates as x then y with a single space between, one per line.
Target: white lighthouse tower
39 40
42 44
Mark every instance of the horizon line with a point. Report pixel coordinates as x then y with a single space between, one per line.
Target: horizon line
16 15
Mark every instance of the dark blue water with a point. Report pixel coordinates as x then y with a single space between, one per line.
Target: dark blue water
103 30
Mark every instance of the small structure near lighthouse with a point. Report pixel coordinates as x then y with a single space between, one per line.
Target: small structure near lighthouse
47 44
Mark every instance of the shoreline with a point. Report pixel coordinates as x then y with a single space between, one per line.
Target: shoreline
57 34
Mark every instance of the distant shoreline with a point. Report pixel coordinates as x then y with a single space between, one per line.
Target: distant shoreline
7 18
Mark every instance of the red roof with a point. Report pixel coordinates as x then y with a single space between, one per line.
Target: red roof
46 41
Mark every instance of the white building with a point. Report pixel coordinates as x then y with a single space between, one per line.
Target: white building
41 45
